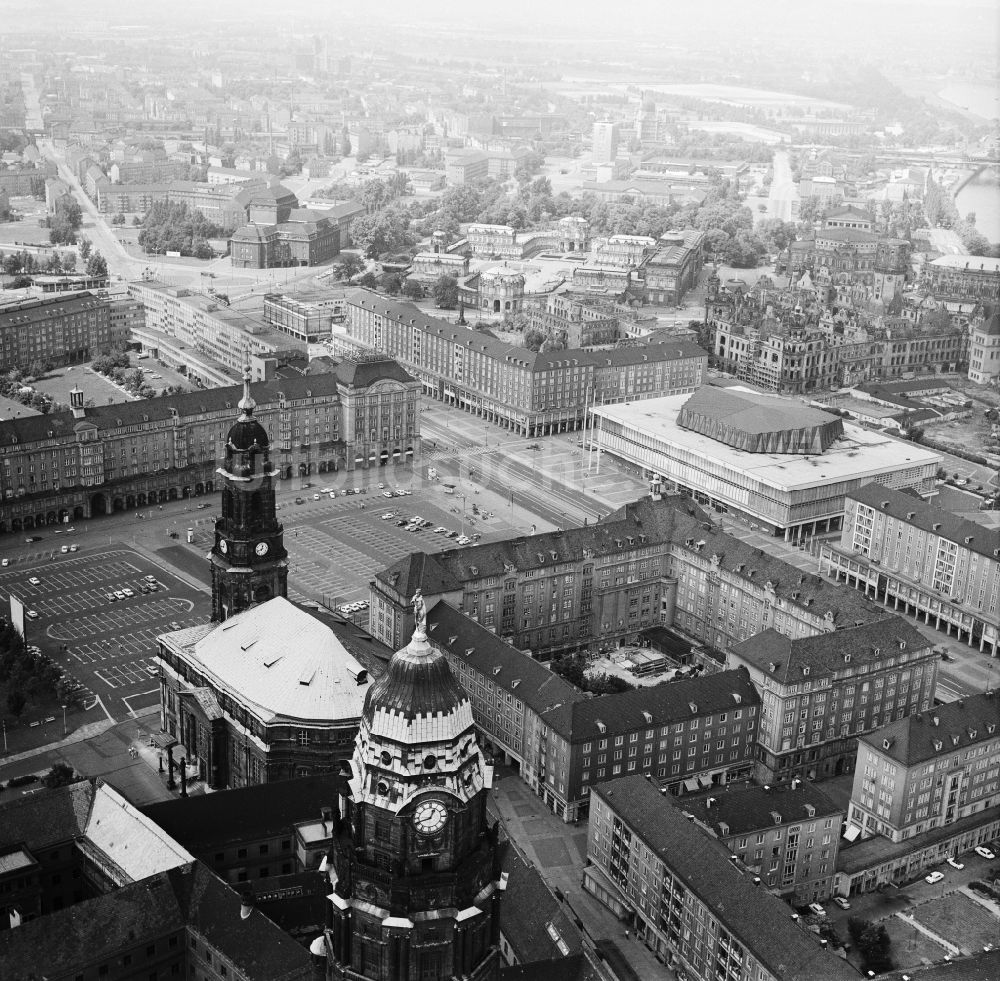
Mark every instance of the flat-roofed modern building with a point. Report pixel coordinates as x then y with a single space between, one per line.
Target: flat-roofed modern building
687 900
775 462
920 560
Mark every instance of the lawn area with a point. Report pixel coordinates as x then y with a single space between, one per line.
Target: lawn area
25 232
909 945
58 383
960 920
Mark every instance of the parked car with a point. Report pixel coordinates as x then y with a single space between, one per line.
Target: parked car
299 500
128 592
316 497
32 614
74 548
35 581
388 494
841 902
5 563
817 909
983 852
112 598
64 549
955 863
933 877
119 594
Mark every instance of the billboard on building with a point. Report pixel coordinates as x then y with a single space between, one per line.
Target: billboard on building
17 614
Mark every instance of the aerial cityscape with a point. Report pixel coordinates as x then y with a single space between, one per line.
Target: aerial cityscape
500 493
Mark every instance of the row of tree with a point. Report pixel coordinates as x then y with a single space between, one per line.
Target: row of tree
173 227
65 221
24 677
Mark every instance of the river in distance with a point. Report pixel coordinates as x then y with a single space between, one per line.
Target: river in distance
982 195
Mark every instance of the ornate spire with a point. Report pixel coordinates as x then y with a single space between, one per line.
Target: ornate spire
247 404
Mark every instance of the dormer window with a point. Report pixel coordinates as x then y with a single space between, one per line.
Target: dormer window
601 727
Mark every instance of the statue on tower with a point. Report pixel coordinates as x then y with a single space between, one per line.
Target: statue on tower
419 613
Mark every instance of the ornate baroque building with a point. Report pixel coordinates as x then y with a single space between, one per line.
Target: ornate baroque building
415 868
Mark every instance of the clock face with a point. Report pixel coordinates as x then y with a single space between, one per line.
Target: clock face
261 548
430 817
223 546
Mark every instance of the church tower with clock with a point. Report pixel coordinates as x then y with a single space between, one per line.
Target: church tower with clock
414 866
249 561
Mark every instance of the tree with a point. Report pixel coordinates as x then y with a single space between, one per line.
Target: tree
68 217
350 265
59 776
412 290
445 292
97 266
84 247
391 283
16 702
369 281
118 219
36 369
345 144
382 231
534 338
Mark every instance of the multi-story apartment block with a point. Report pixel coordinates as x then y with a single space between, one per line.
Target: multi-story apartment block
531 393
605 142
92 461
984 347
821 693
652 563
691 734
787 834
921 560
927 770
964 277
56 330
208 325
686 899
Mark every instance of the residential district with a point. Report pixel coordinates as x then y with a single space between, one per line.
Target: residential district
690 675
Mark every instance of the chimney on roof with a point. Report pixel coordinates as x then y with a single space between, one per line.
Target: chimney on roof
935 720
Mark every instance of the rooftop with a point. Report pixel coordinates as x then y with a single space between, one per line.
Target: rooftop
928 517
280 660
760 921
938 731
974 263
210 821
790 660
743 808
860 455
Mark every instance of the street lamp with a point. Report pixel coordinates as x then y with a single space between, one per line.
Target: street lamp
64 720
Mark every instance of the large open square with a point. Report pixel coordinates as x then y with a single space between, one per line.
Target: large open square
109 642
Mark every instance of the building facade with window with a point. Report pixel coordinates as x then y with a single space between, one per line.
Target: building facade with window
687 901
91 461
531 393
654 562
928 770
691 734
921 560
787 834
821 693
58 330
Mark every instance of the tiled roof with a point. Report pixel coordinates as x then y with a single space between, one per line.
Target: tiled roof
106 417
981 966
208 822
656 705
361 374
39 309
760 921
930 518
743 808
784 659
939 731
478 341
673 519
526 679
528 910
48 817
576 967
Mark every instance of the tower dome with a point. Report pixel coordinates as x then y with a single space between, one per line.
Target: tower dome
247 437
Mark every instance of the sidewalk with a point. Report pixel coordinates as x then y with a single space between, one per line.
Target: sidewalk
558 850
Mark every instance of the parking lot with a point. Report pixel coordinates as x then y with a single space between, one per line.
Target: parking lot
335 546
106 645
